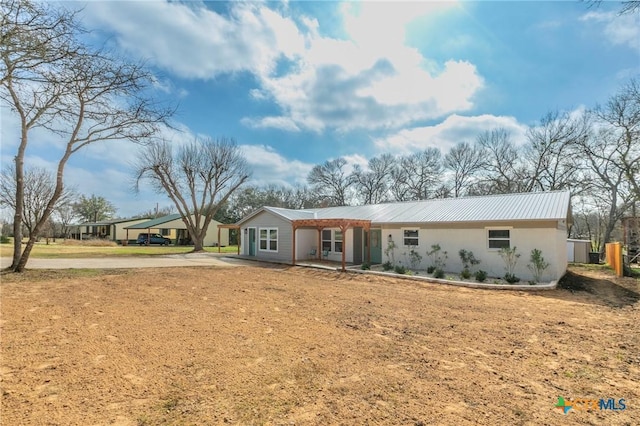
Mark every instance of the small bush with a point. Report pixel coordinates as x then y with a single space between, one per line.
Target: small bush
4 239
532 283
511 278
480 275
400 269
387 266
466 274
438 273
365 267
430 269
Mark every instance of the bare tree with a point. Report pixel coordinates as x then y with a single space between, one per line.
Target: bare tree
50 79
502 169
66 216
464 160
622 114
552 160
39 186
199 178
628 6
613 154
418 176
331 181
373 184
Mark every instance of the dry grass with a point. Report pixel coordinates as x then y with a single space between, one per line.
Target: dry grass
283 345
94 242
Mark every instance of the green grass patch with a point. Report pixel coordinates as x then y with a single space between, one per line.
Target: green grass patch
57 250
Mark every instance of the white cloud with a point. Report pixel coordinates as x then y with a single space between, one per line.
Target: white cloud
619 29
372 80
446 134
269 166
192 41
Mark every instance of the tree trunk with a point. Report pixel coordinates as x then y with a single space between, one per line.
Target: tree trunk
198 244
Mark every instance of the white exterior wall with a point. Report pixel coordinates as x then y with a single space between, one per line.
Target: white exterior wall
306 240
543 236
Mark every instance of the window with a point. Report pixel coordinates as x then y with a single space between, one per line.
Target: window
410 237
499 238
165 231
338 241
326 240
269 239
332 240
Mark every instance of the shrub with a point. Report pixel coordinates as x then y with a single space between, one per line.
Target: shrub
430 269
414 259
400 269
510 278
390 251
4 239
438 273
438 261
466 274
365 266
510 258
387 266
468 259
480 275
537 265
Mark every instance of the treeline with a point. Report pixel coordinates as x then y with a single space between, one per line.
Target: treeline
594 153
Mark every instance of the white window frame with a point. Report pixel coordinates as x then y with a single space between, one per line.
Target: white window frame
268 239
336 240
333 240
498 228
405 238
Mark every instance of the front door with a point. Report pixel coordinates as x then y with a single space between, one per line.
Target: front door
376 246
252 241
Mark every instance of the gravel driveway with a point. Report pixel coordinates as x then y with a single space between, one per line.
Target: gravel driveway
172 260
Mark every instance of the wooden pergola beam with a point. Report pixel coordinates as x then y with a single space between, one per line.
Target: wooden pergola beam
320 224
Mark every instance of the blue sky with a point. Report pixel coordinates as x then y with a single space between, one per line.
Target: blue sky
298 83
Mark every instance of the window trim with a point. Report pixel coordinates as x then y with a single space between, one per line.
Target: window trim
498 228
268 240
405 238
333 241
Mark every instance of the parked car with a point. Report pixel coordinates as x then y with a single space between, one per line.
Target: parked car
143 239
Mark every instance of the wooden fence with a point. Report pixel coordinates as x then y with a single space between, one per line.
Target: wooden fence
614 257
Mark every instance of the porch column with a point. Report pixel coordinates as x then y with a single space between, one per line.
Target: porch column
293 246
319 251
218 239
368 230
343 229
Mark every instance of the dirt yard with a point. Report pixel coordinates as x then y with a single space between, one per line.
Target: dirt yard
282 345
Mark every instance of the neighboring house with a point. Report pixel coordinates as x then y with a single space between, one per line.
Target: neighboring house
361 234
172 226
108 229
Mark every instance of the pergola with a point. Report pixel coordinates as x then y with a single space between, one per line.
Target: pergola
228 227
321 224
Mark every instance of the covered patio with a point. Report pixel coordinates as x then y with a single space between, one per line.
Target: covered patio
321 224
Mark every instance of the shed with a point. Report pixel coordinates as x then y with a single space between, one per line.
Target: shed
578 251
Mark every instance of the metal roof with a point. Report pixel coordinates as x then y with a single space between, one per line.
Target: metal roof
111 221
155 222
553 205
